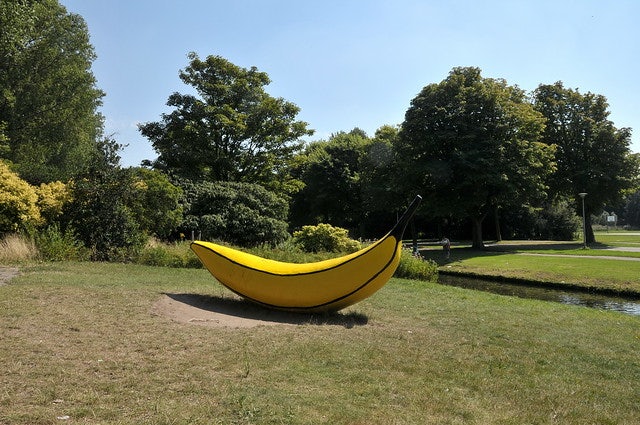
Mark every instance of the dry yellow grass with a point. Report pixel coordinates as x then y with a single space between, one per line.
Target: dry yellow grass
15 248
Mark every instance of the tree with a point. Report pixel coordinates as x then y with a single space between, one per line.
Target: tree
232 131
101 211
381 200
330 172
155 202
470 144
632 210
48 98
592 154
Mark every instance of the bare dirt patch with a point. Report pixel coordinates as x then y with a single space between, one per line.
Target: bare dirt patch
213 311
7 273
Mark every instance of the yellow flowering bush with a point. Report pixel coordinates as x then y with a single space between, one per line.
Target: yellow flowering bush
18 202
51 199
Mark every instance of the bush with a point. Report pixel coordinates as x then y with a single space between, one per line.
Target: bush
52 198
558 222
289 252
242 214
325 237
102 217
415 267
18 202
56 245
168 255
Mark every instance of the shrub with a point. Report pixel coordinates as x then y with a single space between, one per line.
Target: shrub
290 252
325 237
155 202
18 202
56 245
51 199
102 217
558 222
168 255
415 267
242 214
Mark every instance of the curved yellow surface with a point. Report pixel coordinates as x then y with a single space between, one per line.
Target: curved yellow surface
326 285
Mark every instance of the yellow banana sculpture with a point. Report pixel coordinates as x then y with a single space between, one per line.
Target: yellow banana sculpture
328 285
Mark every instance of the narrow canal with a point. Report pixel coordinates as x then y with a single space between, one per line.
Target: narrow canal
586 299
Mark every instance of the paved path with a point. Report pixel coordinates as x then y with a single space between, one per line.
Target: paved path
6 273
601 257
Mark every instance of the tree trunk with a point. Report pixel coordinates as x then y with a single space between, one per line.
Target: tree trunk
476 232
591 237
497 219
588 229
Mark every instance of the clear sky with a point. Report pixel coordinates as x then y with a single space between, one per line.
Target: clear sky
358 63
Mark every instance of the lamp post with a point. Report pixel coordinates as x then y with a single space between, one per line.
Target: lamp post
584 222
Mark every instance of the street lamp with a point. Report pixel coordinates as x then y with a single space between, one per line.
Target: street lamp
584 223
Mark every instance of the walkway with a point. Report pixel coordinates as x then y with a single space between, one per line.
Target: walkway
600 257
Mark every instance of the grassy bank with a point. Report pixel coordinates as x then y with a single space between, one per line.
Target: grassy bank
605 267
81 340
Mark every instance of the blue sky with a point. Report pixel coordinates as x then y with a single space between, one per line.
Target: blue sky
358 63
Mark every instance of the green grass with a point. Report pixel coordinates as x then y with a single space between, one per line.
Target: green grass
558 263
619 238
82 339
610 275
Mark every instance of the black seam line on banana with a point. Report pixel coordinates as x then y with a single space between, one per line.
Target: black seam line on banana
364 252
312 307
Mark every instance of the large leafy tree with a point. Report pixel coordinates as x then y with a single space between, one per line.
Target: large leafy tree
592 154
49 122
470 144
113 209
232 130
330 171
381 199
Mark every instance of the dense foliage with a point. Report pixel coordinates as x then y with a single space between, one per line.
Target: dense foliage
231 164
232 131
470 144
48 97
325 238
244 214
115 209
592 154
330 172
18 202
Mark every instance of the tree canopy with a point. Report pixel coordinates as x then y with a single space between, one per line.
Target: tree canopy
330 172
593 155
233 130
48 97
469 144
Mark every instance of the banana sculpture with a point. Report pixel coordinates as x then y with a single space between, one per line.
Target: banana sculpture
328 285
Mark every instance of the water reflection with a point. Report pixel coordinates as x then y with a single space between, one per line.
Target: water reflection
597 301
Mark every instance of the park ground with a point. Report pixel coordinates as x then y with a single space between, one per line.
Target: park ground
98 343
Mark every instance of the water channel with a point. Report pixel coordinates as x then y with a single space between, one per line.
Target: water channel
586 299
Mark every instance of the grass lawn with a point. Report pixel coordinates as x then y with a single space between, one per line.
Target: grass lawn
619 238
603 274
563 263
80 340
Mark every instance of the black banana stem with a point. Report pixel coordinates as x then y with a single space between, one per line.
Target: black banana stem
398 230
